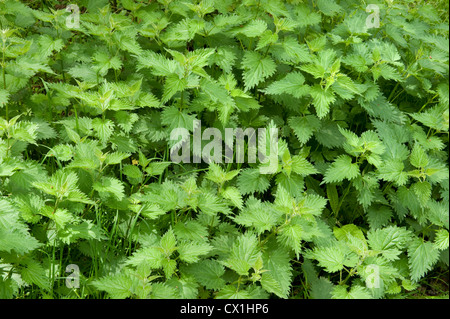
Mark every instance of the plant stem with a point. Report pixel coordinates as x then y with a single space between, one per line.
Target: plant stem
342 199
393 91
182 100
77 126
4 80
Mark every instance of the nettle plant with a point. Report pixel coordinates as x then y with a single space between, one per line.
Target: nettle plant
357 206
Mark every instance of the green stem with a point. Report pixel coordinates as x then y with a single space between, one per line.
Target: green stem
386 187
393 91
172 217
268 237
268 48
399 93
352 272
348 277
4 80
428 102
342 199
77 126
182 100
8 138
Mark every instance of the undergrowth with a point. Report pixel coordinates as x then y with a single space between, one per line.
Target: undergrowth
93 206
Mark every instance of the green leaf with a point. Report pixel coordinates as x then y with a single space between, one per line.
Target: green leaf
224 58
161 290
146 256
61 217
393 171
110 186
378 216
258 215
389 241
174 118
250 180
304 127
311 204
342 168
34 273
218 175
168 243
29 207
208 273
301 166
105 62
345 87
290 51
244 254
441 240
433 117
254 28
256 68
422 255
329 8
63 152
190 252
267 38
386 71
333 257
104 128
276 261
333 198
321 288
4 97
157 168
291 84
116 158
173 85
119 286
418 157
211 204
294 184
322 99
14 236
291 236
148 210
355 292
232 193
353 237
158 63
132 172
191 230
85 230
306 16
231 292
63 185
25 131
269 283
422 191
15 241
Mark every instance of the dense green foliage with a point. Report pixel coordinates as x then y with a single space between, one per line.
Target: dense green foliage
361 189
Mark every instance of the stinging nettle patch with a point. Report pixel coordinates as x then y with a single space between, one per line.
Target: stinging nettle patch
222 149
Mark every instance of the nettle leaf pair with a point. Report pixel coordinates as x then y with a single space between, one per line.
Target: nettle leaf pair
379 260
